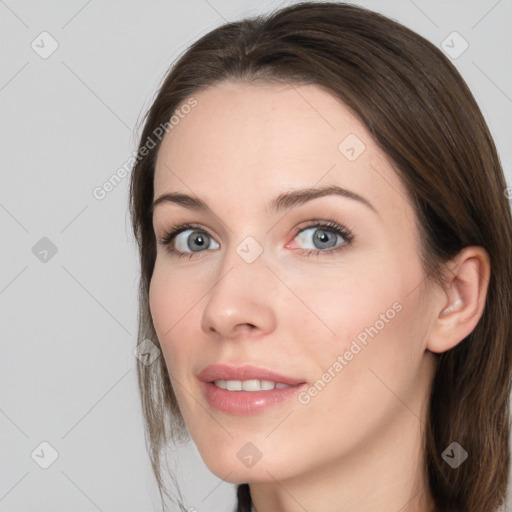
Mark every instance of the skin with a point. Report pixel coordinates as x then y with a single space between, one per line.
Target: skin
356 446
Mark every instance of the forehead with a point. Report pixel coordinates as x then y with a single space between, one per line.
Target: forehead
254 140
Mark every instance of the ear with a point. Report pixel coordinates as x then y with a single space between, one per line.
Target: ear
461 303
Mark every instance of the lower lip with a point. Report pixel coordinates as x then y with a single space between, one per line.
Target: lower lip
247 402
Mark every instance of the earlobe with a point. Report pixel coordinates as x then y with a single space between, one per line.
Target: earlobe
463 300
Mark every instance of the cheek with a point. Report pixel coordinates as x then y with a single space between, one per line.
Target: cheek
160 301
361 386
171 303
368 325
373 367
341 307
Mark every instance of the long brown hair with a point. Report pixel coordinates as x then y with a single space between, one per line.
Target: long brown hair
422 115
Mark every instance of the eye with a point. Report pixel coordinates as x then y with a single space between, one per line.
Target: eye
195 240
323 237
185 240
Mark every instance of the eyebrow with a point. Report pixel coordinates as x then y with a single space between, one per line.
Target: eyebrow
284 201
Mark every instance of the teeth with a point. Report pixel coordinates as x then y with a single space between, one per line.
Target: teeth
249 385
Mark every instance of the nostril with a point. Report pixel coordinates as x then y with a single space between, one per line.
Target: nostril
249 326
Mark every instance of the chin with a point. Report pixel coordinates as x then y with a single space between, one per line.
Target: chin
243 476
231 467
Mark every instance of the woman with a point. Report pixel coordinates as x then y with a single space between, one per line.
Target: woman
325 265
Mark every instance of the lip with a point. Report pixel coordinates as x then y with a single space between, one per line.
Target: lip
246 402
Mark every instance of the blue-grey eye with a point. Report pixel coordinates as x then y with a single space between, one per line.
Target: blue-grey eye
319 238
195 241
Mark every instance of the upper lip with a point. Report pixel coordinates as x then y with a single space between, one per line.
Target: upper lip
247 372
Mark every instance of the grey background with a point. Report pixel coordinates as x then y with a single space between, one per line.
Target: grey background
68 327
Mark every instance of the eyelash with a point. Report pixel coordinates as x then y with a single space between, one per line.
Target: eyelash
327 224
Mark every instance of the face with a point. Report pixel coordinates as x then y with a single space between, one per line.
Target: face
323 288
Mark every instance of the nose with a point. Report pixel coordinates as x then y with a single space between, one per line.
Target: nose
240 301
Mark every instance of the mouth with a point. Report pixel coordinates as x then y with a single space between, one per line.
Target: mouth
246 378
250 385
247 390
